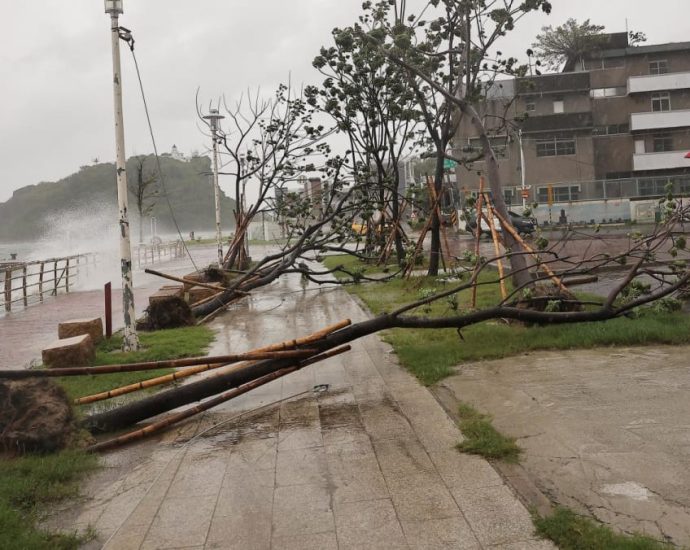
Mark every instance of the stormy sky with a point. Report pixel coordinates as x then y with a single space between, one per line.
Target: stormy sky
56 106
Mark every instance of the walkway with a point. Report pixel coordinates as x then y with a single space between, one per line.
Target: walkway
24 333
349 453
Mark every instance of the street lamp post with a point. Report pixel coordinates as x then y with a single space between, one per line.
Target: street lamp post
130 341
213 117
522 171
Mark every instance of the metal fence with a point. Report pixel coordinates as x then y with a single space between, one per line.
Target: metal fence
148 254
26 283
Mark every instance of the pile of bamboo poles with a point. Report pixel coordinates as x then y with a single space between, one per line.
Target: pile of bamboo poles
285 358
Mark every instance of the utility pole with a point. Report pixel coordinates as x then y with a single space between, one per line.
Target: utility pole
213 117
522 170
130 342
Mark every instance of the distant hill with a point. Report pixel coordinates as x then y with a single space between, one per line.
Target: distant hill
32 210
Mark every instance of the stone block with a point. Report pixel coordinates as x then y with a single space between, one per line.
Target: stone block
193 276
76 327
197 293
77 351
166 292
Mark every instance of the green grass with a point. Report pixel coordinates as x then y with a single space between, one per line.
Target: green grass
29 484
570 531
481 438
431 354
155 346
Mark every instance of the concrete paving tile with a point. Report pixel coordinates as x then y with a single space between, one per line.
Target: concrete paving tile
126 539
463 471
254 455
341 435
420 497
247 500
440 534
180 522
383 420
199 477
534 544
369 524
318 541
401 457
301 467
495 514
299 437
354 472
430 422
302 510
246 525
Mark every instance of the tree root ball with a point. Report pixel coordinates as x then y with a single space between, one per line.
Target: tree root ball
172 312
212 275
545 297
35 416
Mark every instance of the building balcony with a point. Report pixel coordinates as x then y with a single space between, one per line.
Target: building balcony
660 161
656 120
557 122
658 82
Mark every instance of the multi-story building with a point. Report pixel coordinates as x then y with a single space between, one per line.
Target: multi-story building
600 140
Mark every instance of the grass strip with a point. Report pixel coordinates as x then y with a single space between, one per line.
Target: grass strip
481 438
432 354
30 483
570 531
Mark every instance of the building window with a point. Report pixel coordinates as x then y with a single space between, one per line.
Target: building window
655 186
558 106
658 67
610 130
661 101
555 147
530 105
614 62
617 91
561 193
683 185
662 143
508 196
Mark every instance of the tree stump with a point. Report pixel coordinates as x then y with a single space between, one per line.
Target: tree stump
77 351
77 327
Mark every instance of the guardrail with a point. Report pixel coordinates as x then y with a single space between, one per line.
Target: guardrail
27 283
148 254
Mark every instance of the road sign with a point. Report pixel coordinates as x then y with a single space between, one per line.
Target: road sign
449 164
525 193
549 194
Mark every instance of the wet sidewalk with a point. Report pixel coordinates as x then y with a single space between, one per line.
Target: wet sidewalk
24 333
349 453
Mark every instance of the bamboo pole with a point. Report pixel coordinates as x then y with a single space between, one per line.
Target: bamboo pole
184 280
166 378
213 402
497 251
478 218
529 249
134 367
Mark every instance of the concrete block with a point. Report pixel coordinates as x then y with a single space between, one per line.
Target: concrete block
76 327
77 351
197 293
166 292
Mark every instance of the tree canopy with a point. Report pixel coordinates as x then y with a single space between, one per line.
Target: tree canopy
570 41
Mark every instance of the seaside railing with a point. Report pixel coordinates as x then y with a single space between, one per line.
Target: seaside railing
26 283
147 254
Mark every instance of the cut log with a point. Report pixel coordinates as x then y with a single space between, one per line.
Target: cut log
77 351
76 327
165 293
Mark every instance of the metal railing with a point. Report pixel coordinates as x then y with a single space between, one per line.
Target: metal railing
148 254
26 283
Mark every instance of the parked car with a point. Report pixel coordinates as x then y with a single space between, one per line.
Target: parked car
522 224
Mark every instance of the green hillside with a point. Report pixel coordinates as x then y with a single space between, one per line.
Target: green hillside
30 212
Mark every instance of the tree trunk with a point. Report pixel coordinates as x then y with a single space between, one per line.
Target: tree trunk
435 252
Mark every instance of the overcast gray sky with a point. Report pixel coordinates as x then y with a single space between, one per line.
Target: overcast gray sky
55 65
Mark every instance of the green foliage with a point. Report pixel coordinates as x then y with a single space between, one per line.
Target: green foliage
27 214
571 41
481 438
570 531
155 346
28 484
432 354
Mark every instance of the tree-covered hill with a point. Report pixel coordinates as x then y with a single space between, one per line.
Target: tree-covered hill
32 210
